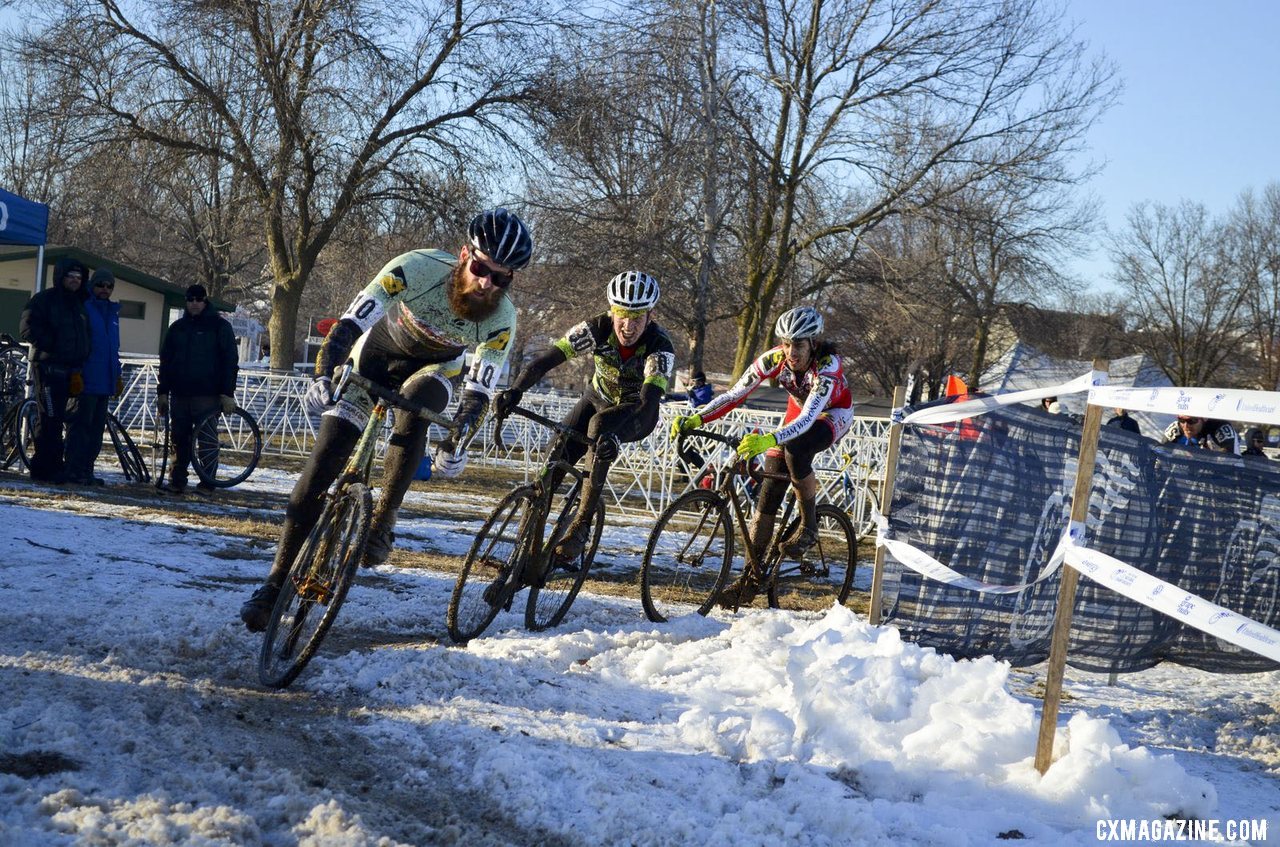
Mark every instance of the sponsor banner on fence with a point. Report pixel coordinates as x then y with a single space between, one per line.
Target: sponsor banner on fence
1173 601
980 405
1229 404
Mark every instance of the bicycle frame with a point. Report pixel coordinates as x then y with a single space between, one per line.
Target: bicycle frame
728 489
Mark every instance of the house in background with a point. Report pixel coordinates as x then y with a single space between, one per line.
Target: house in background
148 303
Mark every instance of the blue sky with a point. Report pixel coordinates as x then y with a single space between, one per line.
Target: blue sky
1200 114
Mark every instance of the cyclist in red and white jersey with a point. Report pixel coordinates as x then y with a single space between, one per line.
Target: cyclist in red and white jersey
819 413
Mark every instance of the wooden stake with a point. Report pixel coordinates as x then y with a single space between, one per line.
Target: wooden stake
1067 588
886 497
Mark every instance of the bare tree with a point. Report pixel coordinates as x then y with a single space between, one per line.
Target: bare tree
324 105
1187 306
1253 244
885 97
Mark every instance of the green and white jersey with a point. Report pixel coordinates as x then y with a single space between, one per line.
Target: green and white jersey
621 372
411 296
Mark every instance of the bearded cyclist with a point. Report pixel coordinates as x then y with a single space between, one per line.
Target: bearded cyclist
634 364
819 413
409 329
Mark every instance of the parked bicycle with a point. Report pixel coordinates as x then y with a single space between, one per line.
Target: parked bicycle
18 411
322 572
690 553
515 548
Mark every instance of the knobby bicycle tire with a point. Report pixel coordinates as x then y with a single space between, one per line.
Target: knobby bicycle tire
688 557
218 433
493 567
824 575
131 461
552 595
316 585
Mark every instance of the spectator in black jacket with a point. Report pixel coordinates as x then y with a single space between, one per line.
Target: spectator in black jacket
56 324
1254 440
1124 421
198 368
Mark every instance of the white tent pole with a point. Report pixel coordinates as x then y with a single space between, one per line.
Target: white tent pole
39 269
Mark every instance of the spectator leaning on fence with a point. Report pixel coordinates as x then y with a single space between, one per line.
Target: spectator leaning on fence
1202 433
199 363
1123 420
1254 440
55 323
101 372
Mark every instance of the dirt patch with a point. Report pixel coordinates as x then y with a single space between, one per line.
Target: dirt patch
36 763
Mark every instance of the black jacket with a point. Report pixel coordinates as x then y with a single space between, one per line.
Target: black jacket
199 357
56 322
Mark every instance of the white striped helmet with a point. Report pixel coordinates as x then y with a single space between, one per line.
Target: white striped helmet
501 236
800 322
633 290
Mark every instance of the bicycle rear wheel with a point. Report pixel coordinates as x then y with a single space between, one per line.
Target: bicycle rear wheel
225 447
316 585
17 444
490 575
688 557
131 461
550 599
824 574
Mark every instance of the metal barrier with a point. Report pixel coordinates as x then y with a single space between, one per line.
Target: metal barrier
645 478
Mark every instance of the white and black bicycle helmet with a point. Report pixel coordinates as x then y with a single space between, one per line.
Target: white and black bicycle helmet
501 236
633 290
797 323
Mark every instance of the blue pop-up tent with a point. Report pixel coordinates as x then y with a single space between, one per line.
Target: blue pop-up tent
24 221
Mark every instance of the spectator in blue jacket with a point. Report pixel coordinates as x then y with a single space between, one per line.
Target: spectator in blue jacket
101 373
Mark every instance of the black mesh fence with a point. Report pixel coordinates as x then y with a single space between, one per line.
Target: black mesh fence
990 497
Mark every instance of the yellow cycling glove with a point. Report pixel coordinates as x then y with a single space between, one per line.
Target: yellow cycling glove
684 423
754 444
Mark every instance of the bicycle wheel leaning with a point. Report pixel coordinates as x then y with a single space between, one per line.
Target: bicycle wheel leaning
316 585
550 598
492 568
824 574
17 441
220 434
131 461
688 558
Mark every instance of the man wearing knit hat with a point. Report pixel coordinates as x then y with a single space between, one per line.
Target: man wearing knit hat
198 368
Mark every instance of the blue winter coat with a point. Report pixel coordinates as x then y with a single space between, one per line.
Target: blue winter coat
102 369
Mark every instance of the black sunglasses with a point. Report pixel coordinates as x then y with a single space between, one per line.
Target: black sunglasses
498 278
196 299
104 285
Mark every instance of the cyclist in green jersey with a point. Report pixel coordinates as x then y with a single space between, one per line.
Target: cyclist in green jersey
409 329
634 364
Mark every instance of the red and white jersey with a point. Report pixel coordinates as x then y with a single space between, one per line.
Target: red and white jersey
818 388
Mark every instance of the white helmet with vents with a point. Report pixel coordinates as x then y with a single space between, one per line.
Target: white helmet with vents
801 322
633 290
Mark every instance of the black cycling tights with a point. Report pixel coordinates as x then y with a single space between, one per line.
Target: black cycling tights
334 443
797 460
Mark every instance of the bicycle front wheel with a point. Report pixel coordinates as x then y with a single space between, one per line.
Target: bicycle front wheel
688 558
226 447
824 574
551 597
131 461
316 585
490 575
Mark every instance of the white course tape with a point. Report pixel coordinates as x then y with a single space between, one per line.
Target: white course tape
1230 404
1174 602
924 564
949 412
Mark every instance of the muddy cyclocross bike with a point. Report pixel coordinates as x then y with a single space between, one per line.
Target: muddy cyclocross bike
515 547
690 554
326 565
